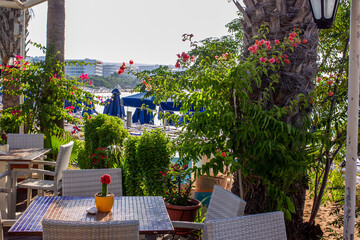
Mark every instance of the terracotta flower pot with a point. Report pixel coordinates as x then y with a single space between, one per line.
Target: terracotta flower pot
104 204
183 213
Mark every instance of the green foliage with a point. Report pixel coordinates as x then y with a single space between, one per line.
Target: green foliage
44 88
58 140
101 131
143 158
10 121
173 178
153 153
133 172
224 119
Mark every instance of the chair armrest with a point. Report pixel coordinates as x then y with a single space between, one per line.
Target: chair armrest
31 170
5 174
184 224
8 222
43 162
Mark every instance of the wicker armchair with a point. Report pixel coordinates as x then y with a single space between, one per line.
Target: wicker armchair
112 230
61 164
223 204
16 140
86 182
269 226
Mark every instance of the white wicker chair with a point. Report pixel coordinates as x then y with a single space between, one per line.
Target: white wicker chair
269 226
223 204
5 223
25 140
112 230
61 164
86 182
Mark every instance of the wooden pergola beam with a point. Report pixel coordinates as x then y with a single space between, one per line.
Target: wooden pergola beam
20 5
9 4
32 3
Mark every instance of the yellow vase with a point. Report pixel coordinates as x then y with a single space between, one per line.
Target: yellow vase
104 204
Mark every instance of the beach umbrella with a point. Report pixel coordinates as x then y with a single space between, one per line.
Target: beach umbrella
115 108
143 116
89 107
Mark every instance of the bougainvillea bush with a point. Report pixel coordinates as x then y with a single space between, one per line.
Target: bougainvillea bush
215 90
44 88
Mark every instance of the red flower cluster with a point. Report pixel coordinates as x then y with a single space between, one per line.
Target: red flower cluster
70 108
17 112
83 76
106 179
122 68
184 58
76 129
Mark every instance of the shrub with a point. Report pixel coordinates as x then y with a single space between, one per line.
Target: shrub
101 131
153 153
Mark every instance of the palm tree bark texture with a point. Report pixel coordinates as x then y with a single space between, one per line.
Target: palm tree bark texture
9 45
55 39
282 16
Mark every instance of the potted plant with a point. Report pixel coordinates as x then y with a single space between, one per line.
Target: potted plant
104 200
179 204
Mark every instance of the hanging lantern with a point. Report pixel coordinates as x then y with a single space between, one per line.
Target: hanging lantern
324 12
11 61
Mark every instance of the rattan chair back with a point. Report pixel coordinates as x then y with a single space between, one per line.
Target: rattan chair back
78 230
269 226
86 182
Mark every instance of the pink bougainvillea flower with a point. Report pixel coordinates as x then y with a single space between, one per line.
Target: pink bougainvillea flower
131 62
272 60
178 55
319 79
262 41
267 43
223 154
294 45
262 59
177 64
330 82
277 41
330 94
144 82
287 107
268 47
312 101
287 61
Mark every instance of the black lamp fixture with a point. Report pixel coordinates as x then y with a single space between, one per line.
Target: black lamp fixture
324 12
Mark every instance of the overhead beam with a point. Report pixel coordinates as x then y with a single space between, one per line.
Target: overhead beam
18 3
9 4
32 3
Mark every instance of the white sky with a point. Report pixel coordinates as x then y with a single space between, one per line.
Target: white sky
146 31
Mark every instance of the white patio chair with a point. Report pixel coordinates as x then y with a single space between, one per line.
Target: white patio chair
62 163
78 230
269 226
86 182
223 204
5 223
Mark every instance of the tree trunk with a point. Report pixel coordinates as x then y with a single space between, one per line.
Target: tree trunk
10 45
295 78
56 36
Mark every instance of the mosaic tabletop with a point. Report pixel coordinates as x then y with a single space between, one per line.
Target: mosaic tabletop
150 211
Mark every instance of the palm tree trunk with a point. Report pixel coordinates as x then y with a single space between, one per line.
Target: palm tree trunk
56 37
295 78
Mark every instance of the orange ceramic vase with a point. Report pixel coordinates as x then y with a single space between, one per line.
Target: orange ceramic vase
104 204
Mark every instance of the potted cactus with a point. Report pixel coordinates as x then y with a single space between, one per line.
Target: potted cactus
104 200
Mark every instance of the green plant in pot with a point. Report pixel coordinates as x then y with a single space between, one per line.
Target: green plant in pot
104 200
177 197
